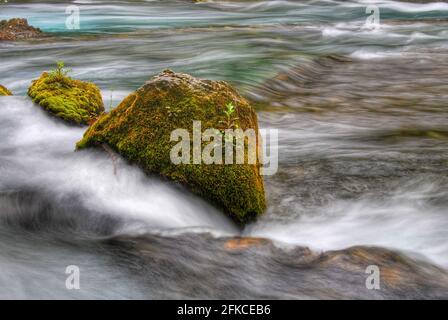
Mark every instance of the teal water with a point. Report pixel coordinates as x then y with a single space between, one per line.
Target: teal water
120 45
362 118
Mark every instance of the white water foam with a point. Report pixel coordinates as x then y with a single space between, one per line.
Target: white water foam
38 152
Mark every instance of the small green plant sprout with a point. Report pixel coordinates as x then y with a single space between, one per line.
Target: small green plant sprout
60 74
230 122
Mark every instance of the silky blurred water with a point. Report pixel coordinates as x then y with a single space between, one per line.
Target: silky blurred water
363 139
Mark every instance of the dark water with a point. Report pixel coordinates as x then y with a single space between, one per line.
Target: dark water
363 153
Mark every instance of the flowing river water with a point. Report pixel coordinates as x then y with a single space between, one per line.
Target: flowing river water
362 180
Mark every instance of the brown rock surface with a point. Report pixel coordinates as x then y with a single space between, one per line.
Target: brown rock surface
18 29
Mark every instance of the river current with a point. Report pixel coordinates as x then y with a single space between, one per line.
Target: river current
362 115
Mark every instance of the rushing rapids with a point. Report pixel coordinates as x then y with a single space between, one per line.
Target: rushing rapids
363 153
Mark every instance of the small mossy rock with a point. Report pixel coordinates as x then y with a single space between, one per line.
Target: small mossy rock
140 127
75 101
4 91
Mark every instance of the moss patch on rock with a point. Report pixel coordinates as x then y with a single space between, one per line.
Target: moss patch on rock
140 127
75 101
4 91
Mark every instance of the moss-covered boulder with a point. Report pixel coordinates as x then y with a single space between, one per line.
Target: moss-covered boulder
4 91
75 101
140 128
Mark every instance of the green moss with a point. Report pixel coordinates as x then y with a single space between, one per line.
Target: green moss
72 100
140 127
4 91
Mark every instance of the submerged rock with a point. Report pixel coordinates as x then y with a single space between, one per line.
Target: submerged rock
4 91
72 100
257 268
140 130
18 29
